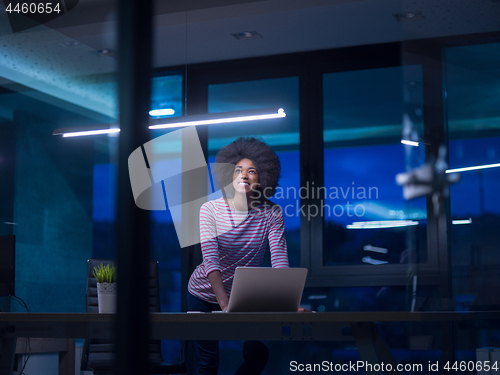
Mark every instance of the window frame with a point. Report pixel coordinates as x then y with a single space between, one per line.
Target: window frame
310 67
367 275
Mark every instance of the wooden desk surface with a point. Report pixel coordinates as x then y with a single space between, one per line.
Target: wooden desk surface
222 326
332 326
345 317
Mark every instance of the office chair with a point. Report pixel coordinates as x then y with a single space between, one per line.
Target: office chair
98 355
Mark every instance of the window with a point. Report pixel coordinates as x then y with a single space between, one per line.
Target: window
281 134
363 112
166 94
472 85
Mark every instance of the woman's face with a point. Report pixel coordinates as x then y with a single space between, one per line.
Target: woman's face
245 177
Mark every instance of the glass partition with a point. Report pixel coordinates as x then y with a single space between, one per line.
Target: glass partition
167 101
59 193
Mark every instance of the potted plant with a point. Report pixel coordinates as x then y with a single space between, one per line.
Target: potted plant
106 287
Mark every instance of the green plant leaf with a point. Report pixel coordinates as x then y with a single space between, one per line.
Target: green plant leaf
104 274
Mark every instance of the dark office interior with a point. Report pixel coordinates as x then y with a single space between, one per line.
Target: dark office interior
355 78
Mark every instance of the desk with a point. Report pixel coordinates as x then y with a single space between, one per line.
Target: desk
335 326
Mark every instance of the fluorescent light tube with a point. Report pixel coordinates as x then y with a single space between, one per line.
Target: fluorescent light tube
80 131
375 262
218 118
473 168
90 132
375 249
174 122
162 112
458 222
409 143
381 224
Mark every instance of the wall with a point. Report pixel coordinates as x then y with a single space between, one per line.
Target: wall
52 210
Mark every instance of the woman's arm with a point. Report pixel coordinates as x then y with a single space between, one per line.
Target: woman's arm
210 253
215 279
277 242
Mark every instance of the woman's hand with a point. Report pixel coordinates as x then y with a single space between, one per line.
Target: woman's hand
218 288
303 309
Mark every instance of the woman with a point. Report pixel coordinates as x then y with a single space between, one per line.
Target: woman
234 232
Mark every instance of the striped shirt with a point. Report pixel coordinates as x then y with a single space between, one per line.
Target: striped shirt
231 239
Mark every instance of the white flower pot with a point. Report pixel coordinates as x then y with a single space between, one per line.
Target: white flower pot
106 297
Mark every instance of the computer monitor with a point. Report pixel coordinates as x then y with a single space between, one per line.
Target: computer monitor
7 265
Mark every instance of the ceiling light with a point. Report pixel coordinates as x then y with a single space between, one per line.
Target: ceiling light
174 122
80 131
473 168
375 249
409 16
244 35
218 118
381 224
90 132
409 143
104 52
375 262
70 43
459 222
161 112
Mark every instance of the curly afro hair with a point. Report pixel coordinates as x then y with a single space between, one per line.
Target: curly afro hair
264 158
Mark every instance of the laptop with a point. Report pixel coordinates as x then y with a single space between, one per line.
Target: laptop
264 289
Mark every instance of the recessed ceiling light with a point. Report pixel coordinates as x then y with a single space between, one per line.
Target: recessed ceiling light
104 52
69 43
243 35
409 16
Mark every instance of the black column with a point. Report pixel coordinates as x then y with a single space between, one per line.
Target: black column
7 176
134 55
